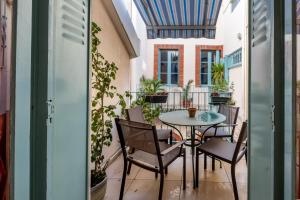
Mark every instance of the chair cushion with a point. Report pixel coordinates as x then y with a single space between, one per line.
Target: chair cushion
163 134
152 160
219 148
221 131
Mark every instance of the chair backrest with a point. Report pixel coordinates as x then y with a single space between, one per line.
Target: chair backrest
135 114
137 135
241 145
231 114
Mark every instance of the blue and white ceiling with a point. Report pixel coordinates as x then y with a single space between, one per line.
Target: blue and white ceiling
180 18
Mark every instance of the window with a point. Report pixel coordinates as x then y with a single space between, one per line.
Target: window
208 57
168 71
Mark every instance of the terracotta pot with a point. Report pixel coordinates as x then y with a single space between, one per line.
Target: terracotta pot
192 112
99 190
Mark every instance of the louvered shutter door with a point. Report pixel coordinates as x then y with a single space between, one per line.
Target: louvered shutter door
68 93
261 100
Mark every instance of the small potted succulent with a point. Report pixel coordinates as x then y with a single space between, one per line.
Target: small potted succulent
187 100
153 91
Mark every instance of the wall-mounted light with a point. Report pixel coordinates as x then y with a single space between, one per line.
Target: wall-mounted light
239 36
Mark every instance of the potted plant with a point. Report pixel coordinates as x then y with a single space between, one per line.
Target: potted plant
220 85
153 91
187 100
218 91
103 73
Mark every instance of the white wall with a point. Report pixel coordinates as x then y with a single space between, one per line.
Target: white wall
138 66
234 23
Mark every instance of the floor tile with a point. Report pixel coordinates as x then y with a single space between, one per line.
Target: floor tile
149 190
115 170
113 188
240 171
174 172
208 191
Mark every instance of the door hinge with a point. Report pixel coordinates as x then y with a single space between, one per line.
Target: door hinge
273 118
50 112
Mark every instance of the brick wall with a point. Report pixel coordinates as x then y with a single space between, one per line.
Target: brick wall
180 49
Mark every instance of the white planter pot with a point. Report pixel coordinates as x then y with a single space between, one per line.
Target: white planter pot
99 190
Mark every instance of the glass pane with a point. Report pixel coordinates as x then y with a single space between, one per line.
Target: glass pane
213 56
164 78
164 68
163 55
174 68
204 68
174 56
204 80
204 56
174 79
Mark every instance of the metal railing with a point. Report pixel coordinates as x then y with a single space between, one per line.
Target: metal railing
197 99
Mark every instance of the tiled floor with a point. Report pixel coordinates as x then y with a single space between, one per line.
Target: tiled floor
142 185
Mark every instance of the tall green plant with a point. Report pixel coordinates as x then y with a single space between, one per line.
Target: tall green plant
186 90
103 73
217 73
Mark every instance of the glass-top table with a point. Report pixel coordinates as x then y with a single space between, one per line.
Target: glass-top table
181 118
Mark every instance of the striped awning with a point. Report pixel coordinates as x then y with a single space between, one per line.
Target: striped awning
180 18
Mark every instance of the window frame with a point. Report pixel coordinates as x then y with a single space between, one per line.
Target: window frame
199 49
157 62
169 63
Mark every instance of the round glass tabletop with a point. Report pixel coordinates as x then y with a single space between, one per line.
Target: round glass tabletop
181 118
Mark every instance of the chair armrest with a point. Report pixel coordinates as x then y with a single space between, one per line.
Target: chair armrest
168 150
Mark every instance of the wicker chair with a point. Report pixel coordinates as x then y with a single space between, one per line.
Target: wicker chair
225 151
150 153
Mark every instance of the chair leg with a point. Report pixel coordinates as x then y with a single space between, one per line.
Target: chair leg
161 187
197 168
184 169
123 181
171 138
166 170
205 161
129 168
246 158
156 175
235 190
213 160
